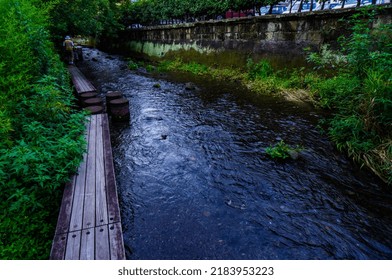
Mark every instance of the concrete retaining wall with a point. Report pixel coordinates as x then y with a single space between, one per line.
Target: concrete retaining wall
234 39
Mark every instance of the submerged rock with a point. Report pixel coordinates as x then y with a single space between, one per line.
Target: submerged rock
293 155
190 86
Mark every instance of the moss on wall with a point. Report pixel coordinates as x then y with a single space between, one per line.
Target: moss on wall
281 38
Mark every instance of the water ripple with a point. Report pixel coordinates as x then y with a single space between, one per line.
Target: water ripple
195 182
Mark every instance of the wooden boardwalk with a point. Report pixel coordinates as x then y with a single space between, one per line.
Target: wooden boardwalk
80 82
89 222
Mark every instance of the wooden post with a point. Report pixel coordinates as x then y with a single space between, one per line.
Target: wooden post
119 109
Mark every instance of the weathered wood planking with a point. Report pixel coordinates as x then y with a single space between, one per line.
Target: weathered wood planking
80 82
112 196
88 213
101 217
89 223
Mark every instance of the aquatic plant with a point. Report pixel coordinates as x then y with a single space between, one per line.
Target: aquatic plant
281 150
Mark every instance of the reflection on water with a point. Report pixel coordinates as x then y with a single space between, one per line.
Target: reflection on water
195 182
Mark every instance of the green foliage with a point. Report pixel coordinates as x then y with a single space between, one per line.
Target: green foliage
41 136
195 68
298 78
367 47
337 91
350 127
360 92
79 17
281 150
259 77
26 226
147 12
262 69
327 59
179 65
150 68
132 65
169 65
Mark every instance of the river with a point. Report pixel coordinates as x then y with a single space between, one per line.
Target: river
195 182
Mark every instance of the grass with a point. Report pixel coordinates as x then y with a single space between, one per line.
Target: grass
360 107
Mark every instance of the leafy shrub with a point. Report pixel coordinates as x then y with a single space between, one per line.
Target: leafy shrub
299 78
195 68
327 59
41 136
150 68
132 65
170 65
262 69
360 92
337 91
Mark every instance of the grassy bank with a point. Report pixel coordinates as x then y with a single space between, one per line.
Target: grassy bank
354 83
259 77
41 136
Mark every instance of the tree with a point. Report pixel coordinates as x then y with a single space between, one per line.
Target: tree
80 17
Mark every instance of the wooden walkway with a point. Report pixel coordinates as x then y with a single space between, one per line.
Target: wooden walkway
89 222
80 82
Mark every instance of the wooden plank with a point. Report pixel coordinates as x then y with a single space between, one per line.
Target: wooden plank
101 204
116 242
73 246
76 222
111 187
89 194
58 247
66 207
102 248
87 246
80 82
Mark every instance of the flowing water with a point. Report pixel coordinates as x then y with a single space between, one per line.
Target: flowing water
195 182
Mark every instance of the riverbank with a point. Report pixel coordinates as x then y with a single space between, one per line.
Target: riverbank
345 128
260 77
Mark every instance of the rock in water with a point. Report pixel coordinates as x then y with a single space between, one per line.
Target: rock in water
190 86
293 154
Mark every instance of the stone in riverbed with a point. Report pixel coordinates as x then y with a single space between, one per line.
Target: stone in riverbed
293 155
190 86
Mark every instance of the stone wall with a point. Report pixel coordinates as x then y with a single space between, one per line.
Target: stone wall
234 39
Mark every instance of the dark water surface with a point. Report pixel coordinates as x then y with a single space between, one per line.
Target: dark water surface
195 182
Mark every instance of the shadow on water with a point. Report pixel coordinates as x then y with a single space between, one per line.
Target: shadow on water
195 182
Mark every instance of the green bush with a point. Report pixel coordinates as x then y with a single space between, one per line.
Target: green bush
261 70
359 92
150 68
132 65
194 68
337 91
298 78
41 136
